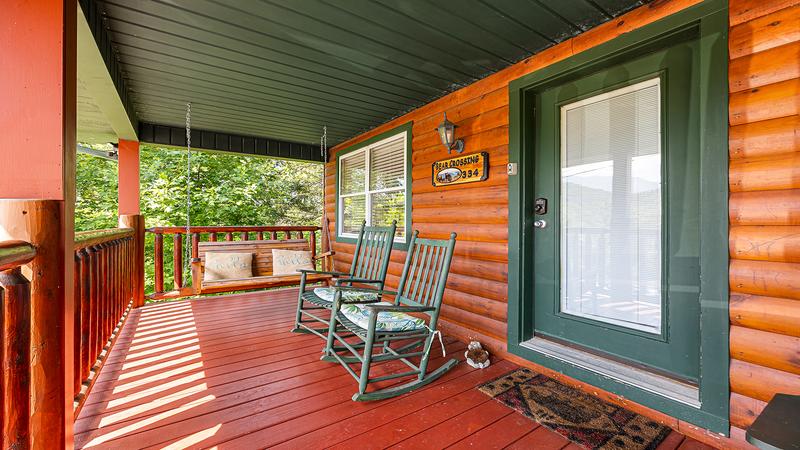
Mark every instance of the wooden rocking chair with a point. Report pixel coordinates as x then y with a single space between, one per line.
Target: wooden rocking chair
370 262
377 325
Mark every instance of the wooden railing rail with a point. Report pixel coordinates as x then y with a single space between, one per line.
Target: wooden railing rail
104 283
212 234
15 344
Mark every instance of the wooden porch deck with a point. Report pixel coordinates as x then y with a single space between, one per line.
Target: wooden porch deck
226 372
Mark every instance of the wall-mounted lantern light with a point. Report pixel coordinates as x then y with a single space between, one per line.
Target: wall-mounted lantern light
447 133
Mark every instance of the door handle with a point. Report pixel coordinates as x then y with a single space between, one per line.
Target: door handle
541 223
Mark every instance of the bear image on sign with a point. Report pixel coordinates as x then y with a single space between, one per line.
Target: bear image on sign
448 175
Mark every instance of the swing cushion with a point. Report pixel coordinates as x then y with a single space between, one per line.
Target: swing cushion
226 266
327 294
387 320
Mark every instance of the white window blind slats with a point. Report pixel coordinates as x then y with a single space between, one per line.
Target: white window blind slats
352 175
387 168
372 186
611 207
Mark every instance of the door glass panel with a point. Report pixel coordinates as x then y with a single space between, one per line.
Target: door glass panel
610 235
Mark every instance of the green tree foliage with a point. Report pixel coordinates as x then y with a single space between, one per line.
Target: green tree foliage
225 189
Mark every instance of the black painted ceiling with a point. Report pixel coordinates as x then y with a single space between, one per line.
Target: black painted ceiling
283 69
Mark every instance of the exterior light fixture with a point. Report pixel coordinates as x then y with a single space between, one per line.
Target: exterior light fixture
447 133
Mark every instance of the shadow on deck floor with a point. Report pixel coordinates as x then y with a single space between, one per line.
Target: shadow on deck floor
226 372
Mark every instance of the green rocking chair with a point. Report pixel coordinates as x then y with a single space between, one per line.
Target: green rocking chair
370 262
379 325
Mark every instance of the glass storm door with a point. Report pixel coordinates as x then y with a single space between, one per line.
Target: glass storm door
616 243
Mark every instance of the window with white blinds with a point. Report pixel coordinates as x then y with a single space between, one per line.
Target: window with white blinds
372 186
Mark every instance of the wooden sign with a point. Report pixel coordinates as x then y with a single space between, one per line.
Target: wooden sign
461 169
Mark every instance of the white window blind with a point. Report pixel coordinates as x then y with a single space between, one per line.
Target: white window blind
611 207
372 186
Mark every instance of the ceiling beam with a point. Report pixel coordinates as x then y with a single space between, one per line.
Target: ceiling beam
228 142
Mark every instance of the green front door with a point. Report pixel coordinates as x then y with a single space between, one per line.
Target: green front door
616 239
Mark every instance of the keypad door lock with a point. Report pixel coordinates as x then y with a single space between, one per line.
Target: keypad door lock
540 206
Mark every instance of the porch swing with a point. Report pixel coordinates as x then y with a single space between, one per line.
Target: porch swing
232 266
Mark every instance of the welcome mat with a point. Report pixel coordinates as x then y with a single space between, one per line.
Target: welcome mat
579 417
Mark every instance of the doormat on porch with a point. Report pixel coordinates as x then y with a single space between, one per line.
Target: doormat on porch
581 418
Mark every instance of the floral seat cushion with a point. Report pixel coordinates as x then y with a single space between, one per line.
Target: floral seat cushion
387 320
327 293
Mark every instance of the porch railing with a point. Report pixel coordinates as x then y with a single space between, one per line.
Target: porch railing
104 284
15 344
210 234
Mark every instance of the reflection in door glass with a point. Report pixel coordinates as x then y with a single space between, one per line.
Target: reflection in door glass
611 207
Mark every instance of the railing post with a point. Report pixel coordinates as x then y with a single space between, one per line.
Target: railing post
177 260
15 325
95 256
158 260
195 245
78 323
86 312
312 242
136 257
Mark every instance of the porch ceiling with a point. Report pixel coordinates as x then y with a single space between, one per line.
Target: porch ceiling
282 69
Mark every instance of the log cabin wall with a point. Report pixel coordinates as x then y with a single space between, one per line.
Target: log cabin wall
764 83
764 203
475 302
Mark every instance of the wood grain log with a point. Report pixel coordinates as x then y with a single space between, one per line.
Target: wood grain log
760 382
766 102
765 207
765 243
772 30
765 174
770 314
775 279
767 67
15 350
744 410
741 11
489 119
766 138
772 350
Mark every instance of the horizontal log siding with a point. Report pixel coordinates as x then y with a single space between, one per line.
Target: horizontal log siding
764 83
764 201
477 290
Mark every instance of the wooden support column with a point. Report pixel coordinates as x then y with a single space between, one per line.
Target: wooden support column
37 193
128 174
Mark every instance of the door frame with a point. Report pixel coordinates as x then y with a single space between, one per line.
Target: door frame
708 21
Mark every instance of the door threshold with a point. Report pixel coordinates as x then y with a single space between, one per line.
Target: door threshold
635 376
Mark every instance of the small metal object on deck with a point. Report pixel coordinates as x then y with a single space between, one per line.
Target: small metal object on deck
778 426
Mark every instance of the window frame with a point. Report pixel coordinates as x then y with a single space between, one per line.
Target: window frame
365 147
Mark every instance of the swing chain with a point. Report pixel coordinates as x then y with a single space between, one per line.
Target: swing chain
188 246
323 144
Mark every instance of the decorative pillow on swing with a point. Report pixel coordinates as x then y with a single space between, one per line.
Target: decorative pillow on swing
227 266
288 262
387 320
